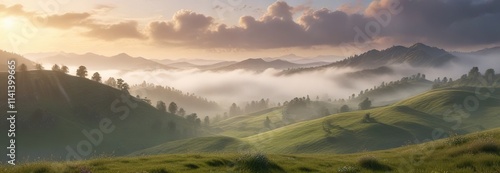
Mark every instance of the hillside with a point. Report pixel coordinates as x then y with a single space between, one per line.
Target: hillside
392 126
6 56
417 55
477 152
55 109
190 102
100 62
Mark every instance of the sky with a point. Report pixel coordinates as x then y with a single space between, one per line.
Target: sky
237 29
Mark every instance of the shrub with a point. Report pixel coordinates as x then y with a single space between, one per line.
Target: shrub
256 163
370 162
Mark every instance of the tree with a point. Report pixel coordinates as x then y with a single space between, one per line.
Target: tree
125 87
56 67
96 77
160 105
473 73
365 104
344 108
65 69
490 75
172 108
111 82
82 71
23 67
234 110
119 83
181 112
267 122
206 121
38 67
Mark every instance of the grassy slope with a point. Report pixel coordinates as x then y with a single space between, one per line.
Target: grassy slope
69 105
478 152
391 126
250 124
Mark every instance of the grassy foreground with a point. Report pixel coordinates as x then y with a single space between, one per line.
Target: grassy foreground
477 152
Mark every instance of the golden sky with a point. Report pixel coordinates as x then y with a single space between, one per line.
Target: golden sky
229 29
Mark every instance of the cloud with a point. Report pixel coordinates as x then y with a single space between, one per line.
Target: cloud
441 22
86 20
102 8
67 20
15 10
127 29
446 23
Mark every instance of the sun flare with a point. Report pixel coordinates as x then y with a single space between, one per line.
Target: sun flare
9 23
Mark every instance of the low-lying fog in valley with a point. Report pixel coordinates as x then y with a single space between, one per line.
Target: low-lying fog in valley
241 86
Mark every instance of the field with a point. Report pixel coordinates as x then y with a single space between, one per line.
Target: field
477 152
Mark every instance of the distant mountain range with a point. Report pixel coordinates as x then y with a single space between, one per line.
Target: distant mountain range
93 61
417 55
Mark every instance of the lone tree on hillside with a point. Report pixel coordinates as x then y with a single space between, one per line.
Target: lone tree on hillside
344 108
267 123
38 67
56 67
23 67
82 71
172 108
119 83
365 104
206 121
65 69
160 105
96 77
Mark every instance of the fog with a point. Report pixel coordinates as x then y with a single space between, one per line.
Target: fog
241 86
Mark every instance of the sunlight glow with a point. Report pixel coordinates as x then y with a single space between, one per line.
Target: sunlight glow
9 23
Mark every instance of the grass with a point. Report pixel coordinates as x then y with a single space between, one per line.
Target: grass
474 155
409 121
250 124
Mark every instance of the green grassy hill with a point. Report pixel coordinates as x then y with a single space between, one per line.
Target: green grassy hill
250 124
54 109
477 152
415 119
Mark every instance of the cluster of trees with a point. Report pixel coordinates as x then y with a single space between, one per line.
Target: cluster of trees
116 83
303 108
473 77
234 110
255 106
171 94
384 85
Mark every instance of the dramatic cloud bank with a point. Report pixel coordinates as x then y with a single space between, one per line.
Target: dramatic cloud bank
446 23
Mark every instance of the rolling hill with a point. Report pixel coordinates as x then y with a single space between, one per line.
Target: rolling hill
100 62
417 118
477 152
56 110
